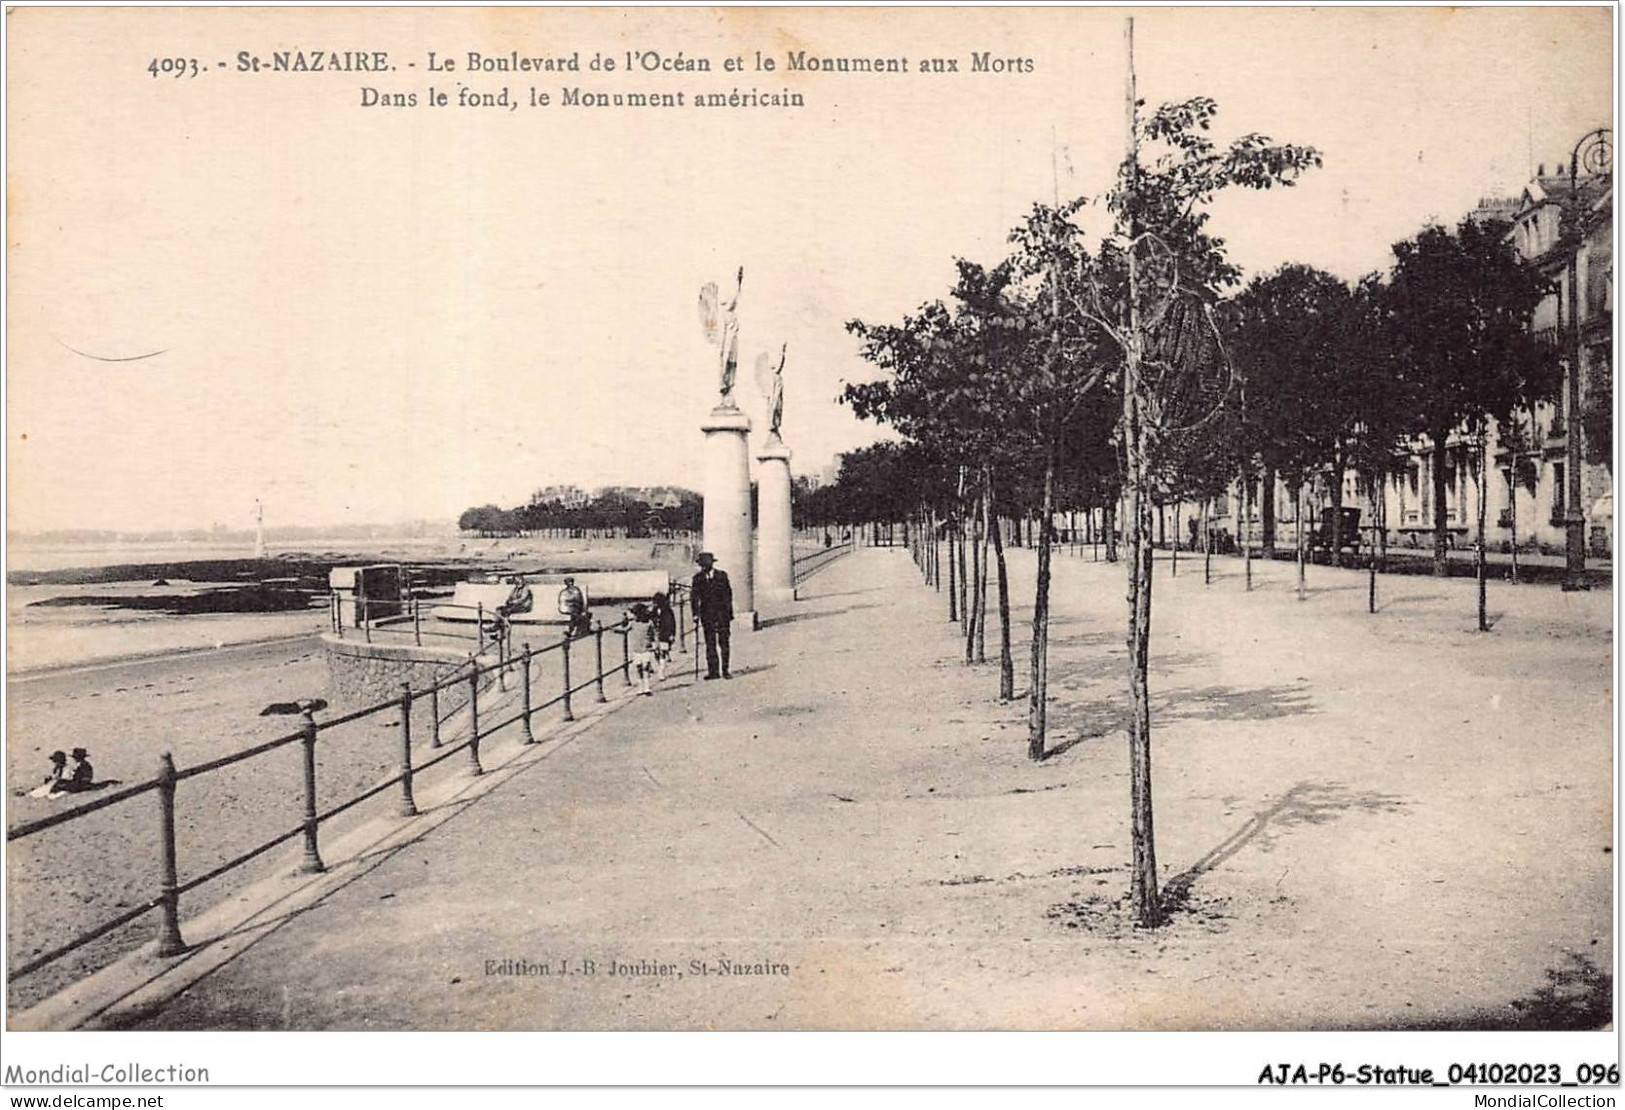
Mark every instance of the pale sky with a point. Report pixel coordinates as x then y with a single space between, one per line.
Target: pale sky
375 315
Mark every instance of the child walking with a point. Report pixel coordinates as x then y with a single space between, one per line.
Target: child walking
641 643
665 622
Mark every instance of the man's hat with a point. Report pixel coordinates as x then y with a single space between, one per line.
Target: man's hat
80 753
705 557
58 757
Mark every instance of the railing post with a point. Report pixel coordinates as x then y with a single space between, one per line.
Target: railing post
682 623
502 657
409 805
434 714
568 715
598 644
479 627
529 737
626 651
169 934
474 767
312 863
417 620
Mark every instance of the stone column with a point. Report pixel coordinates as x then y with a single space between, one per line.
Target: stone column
726 530
774 580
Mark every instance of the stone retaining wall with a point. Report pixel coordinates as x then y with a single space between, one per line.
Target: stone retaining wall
360 674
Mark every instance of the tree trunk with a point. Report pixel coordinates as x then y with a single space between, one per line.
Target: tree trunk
1143 893
1302 547
1038 689
1007 665
1244 530
1266 506
1382 536
1108 514
1144 897
974 578
964 582
1178 505
981 581
930 548
1339 463
1441 528
1481 567
953 580
1512 512
1375 493
1207 544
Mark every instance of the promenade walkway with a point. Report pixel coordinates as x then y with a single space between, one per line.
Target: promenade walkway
1373 822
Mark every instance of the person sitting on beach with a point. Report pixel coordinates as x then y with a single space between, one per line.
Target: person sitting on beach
81 776
640 639
56 782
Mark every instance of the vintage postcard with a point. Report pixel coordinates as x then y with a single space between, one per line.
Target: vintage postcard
1058 520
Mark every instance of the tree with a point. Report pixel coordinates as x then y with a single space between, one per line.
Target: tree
1517 440
1382 407
488 520
1160 275
1459 310
1053 364
1292 332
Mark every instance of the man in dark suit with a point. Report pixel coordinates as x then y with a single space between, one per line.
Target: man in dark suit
713 599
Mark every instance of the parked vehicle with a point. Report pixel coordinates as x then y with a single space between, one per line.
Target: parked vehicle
1320 537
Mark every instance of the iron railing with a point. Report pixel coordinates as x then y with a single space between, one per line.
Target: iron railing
487 624
807 565
169 777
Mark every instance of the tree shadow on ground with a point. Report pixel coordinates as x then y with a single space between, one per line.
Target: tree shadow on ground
1410 599
791 618
1304 804
1229 703
1105 716
1114 664
1063 747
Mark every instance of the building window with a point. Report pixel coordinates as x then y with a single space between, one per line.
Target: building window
1559 490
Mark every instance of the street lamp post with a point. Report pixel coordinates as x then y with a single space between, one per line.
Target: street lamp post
1595 152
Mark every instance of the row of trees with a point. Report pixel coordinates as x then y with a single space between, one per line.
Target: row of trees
1108 363
611 513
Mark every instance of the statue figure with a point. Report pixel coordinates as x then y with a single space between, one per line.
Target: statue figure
770 381
721 324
